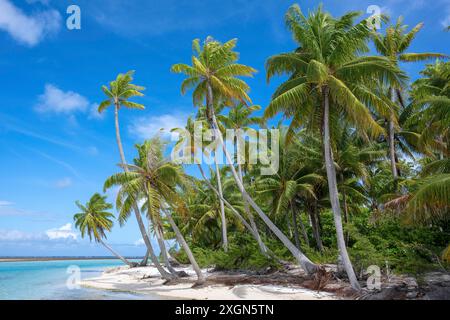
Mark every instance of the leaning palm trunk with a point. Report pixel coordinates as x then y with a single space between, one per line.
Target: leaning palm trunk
261 244
264 250
130 264
200 277
144 261
162 246
334 197
305 263
392 140
222 209
141 225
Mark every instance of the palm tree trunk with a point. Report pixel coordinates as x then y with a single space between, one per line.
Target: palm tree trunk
307 265
302 227
200 277
295 227
334 197
131 265
392 140
141 225
316 229
144 261
118 139
261 244
304 262
222 208
266 251
162 247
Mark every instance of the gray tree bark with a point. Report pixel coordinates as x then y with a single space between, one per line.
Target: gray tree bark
200 277
392 139
222 208
261 244
305 263
130 264
137 214
316 228
162 246
334 196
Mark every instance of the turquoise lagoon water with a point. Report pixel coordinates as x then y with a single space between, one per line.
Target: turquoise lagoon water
48 280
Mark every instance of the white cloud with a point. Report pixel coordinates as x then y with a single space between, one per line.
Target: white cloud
94 114
28 29
139 242
63 183
16 235
64 232
4 203
446 21
55 100
147 127
93 151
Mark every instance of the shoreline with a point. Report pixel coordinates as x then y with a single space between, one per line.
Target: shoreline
146 281
38 259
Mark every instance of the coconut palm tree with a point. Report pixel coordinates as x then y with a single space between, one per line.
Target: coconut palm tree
239 119
201 119
431 98
118 94
204 223
393 45
154 180
292 183
95 220
326 77
214 76
185 145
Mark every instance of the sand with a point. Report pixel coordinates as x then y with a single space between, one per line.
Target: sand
146 280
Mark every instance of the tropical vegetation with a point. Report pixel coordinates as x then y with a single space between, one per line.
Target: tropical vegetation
363 173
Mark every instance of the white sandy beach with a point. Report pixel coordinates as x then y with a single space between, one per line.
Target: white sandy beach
132 280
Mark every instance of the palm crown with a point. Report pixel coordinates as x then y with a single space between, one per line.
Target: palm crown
327 58
396 41
94 218
119 91
150 177
215 66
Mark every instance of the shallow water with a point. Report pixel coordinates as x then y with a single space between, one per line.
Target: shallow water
35 280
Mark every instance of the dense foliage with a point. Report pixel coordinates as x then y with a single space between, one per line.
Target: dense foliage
364 157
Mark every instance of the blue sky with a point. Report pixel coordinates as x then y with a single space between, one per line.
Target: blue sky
55 149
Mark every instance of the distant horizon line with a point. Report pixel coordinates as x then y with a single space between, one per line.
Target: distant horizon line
49 258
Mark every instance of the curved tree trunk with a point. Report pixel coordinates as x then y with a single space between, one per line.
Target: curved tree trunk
307 265
266 252
162 247
200 276
144 261
130 264
222 209
261 244
334 196
137 214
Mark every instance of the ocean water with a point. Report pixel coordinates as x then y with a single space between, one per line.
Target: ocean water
36 280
